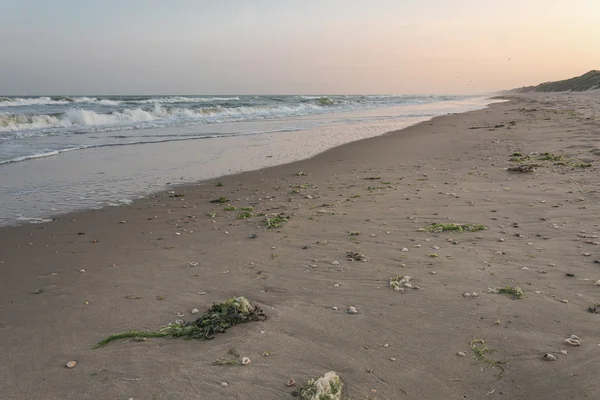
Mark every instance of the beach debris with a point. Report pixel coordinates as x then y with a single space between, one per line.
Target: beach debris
335 263
481 353
232 360
461 354
253 236
573 340
352 310
193 263
220 200
356 256
224 384
514 292
71 364
472 294
274 221
300 173
439 228
246 361
291 382
550 357
523 169
39 291
327 387
401 282
216 319
595 309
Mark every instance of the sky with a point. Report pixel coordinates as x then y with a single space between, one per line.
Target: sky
293 47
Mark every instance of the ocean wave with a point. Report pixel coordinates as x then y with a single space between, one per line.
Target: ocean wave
183 99
65 100
42 101
158 116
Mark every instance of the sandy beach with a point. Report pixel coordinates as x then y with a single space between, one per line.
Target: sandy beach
70 283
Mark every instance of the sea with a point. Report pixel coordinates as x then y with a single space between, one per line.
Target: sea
65 153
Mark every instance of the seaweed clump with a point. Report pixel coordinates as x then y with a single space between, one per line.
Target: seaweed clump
522 169
217 319
327 387
514 292
439 228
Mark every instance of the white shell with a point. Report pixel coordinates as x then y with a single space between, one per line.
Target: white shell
550 357
246 361
573 342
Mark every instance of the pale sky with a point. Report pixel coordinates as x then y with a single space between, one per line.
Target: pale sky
292 46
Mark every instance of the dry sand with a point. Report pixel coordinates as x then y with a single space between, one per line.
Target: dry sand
100 276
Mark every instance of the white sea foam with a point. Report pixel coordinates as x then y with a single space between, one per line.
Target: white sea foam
183 99
41 101
158 116
45 100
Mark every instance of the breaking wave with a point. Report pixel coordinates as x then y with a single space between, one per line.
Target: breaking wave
158 115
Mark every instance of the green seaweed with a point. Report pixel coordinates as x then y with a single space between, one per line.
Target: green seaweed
481 353
550 157
276 221
244 214
216 319
220 200
515 292
320 391
581 165
438 228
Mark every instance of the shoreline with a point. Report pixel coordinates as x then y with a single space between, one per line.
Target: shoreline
49 187
99 272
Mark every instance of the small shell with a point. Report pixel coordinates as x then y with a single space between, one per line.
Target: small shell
195 311
550 357
352 310
290 382
246 361
573 342
461 354
564 352
71 364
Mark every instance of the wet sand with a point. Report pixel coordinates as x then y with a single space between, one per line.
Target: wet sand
68 284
